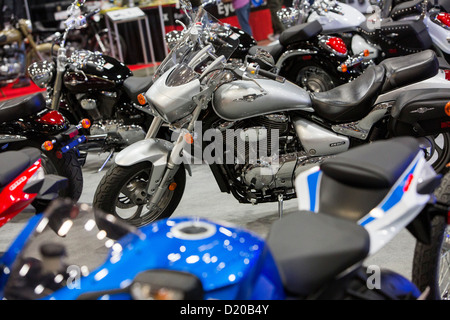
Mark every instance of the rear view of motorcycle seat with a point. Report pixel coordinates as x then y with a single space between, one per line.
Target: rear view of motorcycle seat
21 107
300 32
12 163
312 249
401 71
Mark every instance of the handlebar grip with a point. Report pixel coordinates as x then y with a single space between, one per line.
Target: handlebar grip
271 75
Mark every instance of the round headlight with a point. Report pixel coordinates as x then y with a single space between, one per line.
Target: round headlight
41 72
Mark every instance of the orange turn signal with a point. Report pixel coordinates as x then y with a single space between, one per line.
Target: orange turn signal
447 109
172 186
141 99
86 123
343 67
189 138
366 53
47 145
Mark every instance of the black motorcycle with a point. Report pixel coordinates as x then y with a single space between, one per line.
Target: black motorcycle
99 87
313 61
26 122
86 84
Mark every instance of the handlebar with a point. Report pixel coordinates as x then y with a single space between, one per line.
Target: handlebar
271 75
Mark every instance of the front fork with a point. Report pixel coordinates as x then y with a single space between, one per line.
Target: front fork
175 157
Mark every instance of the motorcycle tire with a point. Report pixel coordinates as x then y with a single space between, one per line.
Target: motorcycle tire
431 263
68 166
312 77
109 196
441 152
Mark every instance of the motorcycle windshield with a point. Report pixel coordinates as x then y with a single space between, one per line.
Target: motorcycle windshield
65 246
199 46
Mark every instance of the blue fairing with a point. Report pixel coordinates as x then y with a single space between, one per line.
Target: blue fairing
230 262
14 249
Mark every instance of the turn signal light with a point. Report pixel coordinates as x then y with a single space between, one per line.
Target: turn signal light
47 145
344 68
447 109
366 52
189 138
172 186
141 99
86 123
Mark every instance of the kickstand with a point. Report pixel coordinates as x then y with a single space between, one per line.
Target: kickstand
106 161
280 205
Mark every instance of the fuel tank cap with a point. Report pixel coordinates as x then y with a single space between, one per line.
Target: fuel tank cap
193 230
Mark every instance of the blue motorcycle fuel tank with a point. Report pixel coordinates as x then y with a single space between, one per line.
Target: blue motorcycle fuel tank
230 263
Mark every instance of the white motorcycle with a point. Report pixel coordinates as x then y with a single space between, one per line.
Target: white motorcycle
407 28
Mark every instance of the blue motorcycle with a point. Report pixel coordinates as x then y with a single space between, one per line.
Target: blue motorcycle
350 206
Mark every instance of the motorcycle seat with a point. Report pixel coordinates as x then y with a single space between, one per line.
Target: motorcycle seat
135 85
300 32
275 50
21 107
378 165
407 8
362 177
401 71
350 101
13 163
311 249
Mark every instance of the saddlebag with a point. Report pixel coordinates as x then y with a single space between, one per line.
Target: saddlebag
421 112
398 38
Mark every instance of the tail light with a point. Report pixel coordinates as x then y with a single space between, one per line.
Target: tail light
444 18
334 45
52 117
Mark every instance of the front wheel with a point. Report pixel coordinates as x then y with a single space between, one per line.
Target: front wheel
122 192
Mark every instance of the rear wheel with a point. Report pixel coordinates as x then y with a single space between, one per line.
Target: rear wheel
312 77
122 192
439 153
67 166
431 263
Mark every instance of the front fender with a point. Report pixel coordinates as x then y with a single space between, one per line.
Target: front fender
156 151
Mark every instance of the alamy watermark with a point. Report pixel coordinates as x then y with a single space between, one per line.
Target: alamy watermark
229 146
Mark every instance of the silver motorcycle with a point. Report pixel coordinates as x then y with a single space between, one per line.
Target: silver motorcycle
257 131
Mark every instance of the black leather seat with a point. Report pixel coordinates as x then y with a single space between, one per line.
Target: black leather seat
21 107
13 163
350 101
401 71
275 50
378 165
312 249
355 182
300 32
136 85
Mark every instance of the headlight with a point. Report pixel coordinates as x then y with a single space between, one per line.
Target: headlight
288 16
41 72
